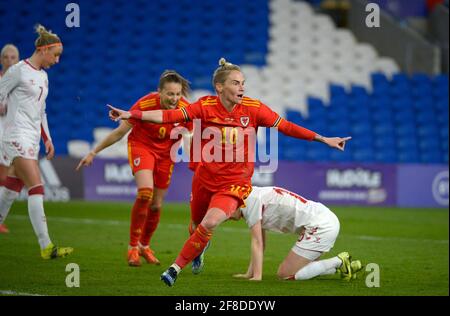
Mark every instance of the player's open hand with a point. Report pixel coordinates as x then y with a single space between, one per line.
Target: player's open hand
49 150
241 276
86 161
336 142
116 114
256 279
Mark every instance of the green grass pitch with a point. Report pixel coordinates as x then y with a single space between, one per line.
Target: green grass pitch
409 245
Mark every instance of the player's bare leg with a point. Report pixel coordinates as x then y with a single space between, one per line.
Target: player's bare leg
10 187
28 171
296 267
195 244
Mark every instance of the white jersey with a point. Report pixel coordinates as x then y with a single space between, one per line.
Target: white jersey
24 89
2 118
281 211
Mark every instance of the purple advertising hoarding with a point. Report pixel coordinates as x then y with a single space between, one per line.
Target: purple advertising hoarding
422 186
329 183
112 180
340 184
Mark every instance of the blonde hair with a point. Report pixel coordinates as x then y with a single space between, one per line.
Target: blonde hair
173 76
46 37
9 46
222 72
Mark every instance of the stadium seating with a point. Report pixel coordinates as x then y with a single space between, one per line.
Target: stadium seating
404 123
295 60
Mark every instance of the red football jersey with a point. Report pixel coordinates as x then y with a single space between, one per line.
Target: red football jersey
228 137
155 136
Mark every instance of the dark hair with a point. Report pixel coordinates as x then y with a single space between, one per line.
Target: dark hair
173 76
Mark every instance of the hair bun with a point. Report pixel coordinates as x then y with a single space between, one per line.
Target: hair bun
40 29
222 62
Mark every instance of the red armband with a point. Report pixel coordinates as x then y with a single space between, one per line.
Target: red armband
175 116
294 130
136 114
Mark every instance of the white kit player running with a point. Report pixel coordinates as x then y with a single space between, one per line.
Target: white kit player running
279 210
9 56
24 89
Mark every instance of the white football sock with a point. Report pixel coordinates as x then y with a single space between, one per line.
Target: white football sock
38 219
176 267
316 268
7 198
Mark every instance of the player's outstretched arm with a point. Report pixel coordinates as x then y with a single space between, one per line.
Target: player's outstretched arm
112 138
117 114
334 142
297 131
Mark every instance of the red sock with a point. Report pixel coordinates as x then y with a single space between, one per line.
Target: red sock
193 246
13 184
138 214
191 228
151 223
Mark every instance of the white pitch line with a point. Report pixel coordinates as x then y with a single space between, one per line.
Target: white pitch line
376 238
90 221
8 292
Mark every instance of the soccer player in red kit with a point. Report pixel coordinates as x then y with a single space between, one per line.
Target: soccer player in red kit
220 186
149 148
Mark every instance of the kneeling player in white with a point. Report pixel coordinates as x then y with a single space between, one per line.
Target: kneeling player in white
279 210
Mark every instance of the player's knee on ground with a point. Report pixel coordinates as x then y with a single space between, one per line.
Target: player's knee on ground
283 272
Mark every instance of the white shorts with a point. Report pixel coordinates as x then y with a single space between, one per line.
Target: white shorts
19 148
318 237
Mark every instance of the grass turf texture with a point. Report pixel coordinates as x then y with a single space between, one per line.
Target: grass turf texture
409 245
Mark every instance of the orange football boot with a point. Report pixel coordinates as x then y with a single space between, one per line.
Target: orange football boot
148 255
133 257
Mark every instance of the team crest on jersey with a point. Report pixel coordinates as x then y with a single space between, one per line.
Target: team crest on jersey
245 120
137 161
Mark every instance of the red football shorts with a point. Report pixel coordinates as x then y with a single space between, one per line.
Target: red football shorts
140 157
228 198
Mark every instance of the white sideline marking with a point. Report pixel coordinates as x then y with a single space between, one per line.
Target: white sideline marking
7 292
90 221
